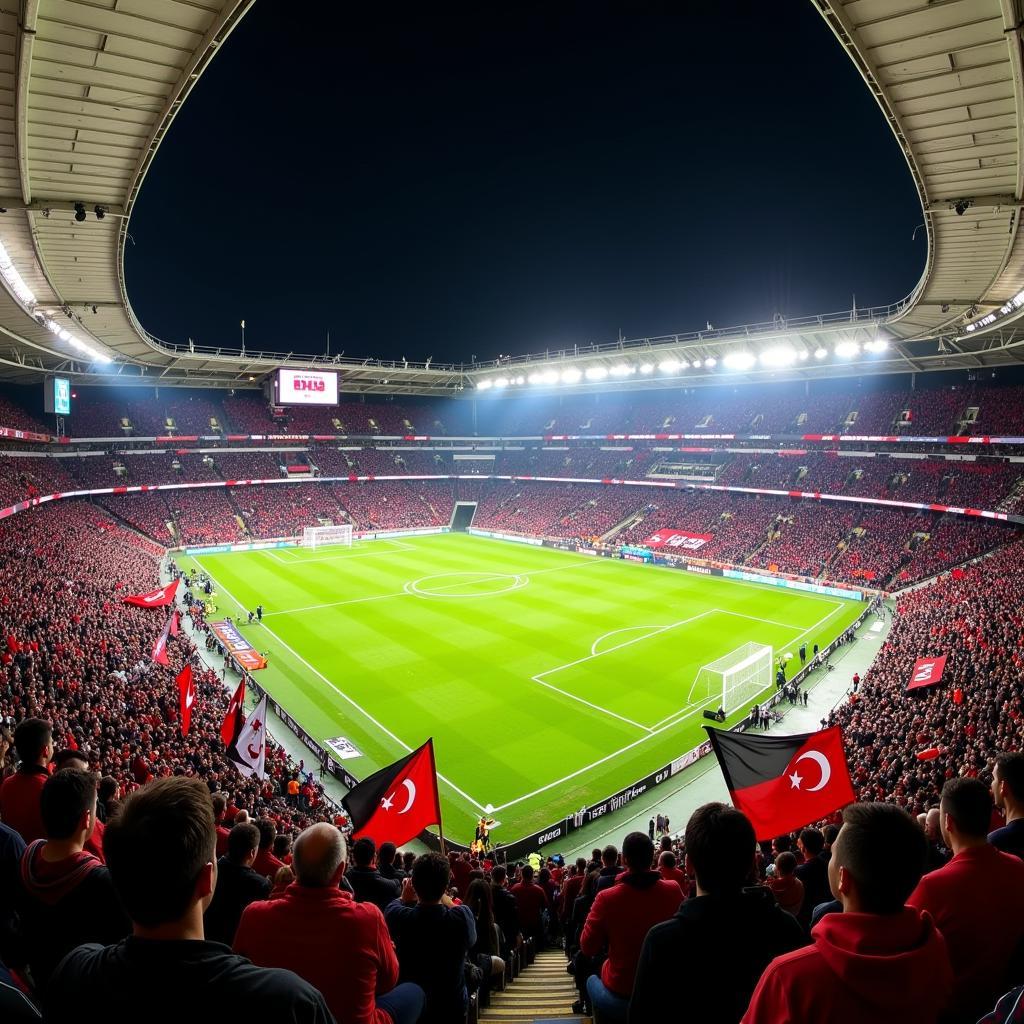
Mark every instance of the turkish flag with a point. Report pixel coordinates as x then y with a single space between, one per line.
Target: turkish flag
782 783
232 724
155 598
175 621
397 803
250 750
159 651
927 672
186 697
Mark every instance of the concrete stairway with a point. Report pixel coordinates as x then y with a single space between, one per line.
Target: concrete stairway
542 992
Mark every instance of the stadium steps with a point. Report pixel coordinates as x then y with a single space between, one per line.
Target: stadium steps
542 992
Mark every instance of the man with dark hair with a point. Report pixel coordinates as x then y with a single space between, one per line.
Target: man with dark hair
160 850
727 923
531 902
571 888
220 811
977 900
238 884
619 920
77 760
20 792
319 931
812 871
1008 793
610 868
386 863
369 885
432 936
66 894
506 911
266 863
877 961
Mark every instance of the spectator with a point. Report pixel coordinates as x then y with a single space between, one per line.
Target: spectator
369 885
571 887
610 868
812 870
1008 793
12 846
66 894
785 886
160 850
266 863
670 872
976 900
322 934
725 924
386 863
75 759
486 952
220 811
878 960
531 902
506 910
432 936
938 854
238 884
619 920
20 792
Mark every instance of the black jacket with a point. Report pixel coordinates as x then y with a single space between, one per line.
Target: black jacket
711 937
237 887
370 886
198 982
506 916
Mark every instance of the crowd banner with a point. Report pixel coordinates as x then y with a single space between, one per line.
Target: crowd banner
237 646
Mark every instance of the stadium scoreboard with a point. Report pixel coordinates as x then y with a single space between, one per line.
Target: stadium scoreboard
57 396
305 387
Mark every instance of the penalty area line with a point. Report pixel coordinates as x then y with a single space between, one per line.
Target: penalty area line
366 714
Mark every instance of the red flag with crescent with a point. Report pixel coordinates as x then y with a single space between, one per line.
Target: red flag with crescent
235 716
782 783
159 598
159 651
186 697
397 803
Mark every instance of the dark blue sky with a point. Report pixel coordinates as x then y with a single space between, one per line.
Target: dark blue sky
508 181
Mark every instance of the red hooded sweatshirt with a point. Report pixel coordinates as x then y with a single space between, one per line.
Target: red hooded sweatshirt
886 969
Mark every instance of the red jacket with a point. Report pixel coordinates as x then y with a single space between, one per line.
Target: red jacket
19 802
886 969
977 901
339 946
266 864
620 919
531 899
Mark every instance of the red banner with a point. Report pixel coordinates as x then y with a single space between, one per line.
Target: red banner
927 672
678 539
155 598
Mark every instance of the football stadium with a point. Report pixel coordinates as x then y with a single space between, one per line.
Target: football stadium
359 573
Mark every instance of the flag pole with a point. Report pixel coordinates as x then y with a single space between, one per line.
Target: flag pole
437 799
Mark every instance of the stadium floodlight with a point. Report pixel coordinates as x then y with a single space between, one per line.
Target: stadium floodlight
878 345
647 367
802 355
549 377
15 280
596 373
739 361
711 362
80 212
501 382
779 355
669 365
572 375
847 349
820 353
622 370
484 385
519 380
696 364
535 378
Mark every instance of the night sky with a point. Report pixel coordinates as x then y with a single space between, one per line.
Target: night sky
507 181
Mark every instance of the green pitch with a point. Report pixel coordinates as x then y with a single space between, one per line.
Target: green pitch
547 679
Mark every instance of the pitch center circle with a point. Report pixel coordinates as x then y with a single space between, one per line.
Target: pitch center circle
465 584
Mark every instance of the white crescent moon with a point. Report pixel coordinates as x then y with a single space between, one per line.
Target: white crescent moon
822 762
411 788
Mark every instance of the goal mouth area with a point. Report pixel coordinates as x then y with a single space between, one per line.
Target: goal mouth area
327 536
736 678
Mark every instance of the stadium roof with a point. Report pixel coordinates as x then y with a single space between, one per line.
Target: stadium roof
92 90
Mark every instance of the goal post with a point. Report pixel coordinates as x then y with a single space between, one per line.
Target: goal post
736 678
324 536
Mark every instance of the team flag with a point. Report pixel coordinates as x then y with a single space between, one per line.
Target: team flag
159 651
250 750
927 672
397 803
232 724
784 782
186 697
175 622
155 598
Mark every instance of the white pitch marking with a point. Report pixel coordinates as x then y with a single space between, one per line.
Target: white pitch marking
615 632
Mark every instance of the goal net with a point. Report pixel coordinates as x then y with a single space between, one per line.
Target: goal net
734 679
322 536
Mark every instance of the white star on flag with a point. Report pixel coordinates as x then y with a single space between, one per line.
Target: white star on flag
796 780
